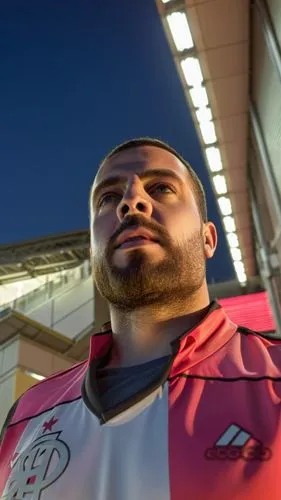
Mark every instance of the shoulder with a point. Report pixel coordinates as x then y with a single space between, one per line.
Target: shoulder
62 387
263 337
262 349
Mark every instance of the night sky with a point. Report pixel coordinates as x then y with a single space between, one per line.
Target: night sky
76 79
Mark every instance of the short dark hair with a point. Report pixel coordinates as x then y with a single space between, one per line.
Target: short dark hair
196 183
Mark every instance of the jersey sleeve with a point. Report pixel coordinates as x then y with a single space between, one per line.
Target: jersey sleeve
8 420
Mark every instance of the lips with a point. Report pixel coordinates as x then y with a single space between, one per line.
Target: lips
138 234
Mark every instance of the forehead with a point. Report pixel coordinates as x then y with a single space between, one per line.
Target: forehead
138 160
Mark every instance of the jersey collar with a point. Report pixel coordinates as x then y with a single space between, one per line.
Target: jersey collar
188 349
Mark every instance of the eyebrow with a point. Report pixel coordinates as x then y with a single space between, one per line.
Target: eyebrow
116 179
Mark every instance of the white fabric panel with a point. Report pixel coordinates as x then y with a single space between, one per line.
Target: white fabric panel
97 462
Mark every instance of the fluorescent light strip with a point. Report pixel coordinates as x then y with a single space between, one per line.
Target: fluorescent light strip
204 114
232 239
214 158
240 271
199 96
229 224
237 258
36 376
208 132
225 205
180 31
192 72
236 254
220 184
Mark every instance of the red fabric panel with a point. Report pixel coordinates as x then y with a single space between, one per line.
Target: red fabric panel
7 451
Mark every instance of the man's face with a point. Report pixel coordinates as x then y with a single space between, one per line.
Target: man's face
146 231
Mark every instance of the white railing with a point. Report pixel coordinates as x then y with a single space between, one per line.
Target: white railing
47 291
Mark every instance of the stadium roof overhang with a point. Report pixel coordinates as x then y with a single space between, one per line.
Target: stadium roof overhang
15 325
43 256
209 41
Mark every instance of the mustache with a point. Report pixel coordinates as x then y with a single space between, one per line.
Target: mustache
138 221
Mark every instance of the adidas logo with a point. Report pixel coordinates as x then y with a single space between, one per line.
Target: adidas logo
236 443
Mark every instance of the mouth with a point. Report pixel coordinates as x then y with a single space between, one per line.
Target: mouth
136 241
139 237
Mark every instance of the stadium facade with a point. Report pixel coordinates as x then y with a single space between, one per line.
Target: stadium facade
49 307
228 57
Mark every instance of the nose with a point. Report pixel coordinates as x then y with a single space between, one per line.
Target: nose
135 200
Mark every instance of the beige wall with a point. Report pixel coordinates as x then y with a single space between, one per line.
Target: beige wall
22 383
17 357
39 359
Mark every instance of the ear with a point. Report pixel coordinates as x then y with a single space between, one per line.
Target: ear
210 239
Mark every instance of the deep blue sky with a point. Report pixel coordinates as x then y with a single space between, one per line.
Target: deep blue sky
76 79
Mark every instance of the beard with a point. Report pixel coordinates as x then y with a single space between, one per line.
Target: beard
143 283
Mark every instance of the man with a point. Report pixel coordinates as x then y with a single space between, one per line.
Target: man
175 401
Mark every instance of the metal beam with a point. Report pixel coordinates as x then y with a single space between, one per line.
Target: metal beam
266 162
269 34
11 254
267 272
43 256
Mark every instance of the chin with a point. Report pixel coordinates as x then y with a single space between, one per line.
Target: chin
136 259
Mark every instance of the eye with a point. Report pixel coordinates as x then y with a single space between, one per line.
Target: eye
108 198
161 188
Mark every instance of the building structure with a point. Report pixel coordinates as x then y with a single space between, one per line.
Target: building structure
228 57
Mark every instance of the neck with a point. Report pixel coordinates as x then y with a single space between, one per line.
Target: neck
146 334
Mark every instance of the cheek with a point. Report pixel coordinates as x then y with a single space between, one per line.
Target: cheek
182 225
101 231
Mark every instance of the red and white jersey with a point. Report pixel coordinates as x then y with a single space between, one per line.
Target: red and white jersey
209 429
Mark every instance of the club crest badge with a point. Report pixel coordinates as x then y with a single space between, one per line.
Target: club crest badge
37 467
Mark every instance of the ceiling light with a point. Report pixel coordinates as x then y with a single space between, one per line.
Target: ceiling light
232 240
180 31
239 267
240 271
208 132
166 1
204 114
242 278
229 224
34 375
225 205
199 96
220 184
236 253
192 71
214 158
